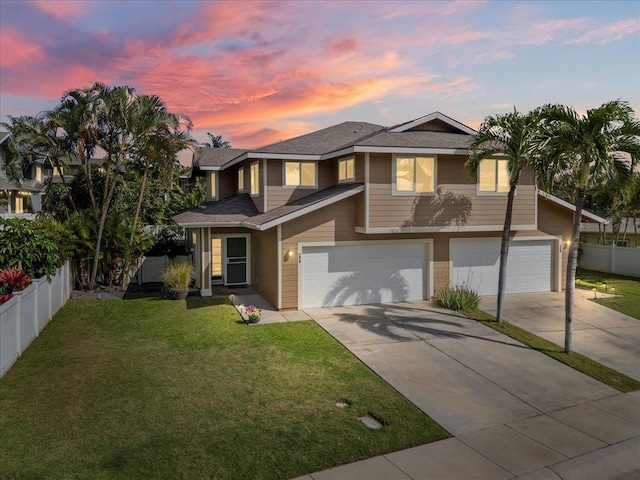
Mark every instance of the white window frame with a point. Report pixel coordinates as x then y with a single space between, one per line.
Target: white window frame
395 191
254 179
299 162
345 161
495 191
241 179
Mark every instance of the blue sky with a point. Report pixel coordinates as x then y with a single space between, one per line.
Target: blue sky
258 72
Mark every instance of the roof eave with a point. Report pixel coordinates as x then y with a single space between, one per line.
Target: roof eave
572 207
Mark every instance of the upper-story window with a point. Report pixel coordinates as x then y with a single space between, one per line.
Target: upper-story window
254 172
493 176
414 175
241 179
346 170
300 174
213 186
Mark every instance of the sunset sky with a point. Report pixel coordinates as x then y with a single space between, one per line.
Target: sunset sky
259 72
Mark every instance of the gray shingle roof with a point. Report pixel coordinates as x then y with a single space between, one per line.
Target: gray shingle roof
215 157
422 139
325 140
303 203
230 210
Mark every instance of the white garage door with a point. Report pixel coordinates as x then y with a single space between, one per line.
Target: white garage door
362 274
476 263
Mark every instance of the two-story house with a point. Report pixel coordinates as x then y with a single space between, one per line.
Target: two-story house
19 199
358 213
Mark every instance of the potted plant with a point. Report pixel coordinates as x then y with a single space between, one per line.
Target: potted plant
176 279
253 313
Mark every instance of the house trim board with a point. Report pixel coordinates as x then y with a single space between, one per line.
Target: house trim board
428 242
444 228
279 269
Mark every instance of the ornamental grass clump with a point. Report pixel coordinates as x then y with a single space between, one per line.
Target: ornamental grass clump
177 276
458 298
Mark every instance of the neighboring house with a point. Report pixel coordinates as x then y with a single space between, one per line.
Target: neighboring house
626 234
358 213
19 199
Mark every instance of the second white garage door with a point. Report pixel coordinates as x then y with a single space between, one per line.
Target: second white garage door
476 263
362 274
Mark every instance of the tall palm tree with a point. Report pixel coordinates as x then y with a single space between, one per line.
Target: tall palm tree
513 137
585 151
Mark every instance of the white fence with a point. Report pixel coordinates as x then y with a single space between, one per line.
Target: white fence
611 259
149 269
24 316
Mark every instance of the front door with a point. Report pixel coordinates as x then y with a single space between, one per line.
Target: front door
236 261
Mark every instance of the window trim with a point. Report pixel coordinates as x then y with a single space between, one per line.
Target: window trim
494 193
347 179
396 193
241 179
300 162
257 179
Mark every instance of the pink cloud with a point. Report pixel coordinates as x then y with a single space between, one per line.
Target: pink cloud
15 49
65 10
610 33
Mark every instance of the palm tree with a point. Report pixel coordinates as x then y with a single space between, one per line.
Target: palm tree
216 141
513 137
585 151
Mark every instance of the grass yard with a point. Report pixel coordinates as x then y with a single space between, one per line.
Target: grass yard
628 288
152 388
575 360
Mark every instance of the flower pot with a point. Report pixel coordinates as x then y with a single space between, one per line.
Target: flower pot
179 294
253 319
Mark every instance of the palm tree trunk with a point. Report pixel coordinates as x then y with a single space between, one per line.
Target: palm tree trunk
66 186
572 263
504 251
139 206
103 218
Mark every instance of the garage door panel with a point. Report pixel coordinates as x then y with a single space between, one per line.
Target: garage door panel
362 274
476 263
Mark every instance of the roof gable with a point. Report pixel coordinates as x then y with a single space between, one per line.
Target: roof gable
434 122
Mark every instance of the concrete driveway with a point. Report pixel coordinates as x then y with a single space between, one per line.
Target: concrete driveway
513 411
600 333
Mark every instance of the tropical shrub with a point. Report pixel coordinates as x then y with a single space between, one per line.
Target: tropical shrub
458 298
31 246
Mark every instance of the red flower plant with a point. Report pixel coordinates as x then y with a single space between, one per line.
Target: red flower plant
5 298
15 278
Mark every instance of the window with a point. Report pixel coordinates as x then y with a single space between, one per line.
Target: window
255 178
300 174
346 170
493 176
213 185
414 175
241 179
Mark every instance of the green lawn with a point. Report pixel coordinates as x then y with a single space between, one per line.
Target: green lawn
152 388
628 289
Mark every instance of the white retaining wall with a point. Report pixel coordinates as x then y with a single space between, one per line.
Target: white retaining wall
611 259
24 316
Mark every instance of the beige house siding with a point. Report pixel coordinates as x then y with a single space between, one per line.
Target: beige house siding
359 167
277 195
227 183
264 264
455 204
557 221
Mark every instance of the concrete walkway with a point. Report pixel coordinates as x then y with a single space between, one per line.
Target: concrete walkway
513 412
600 333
